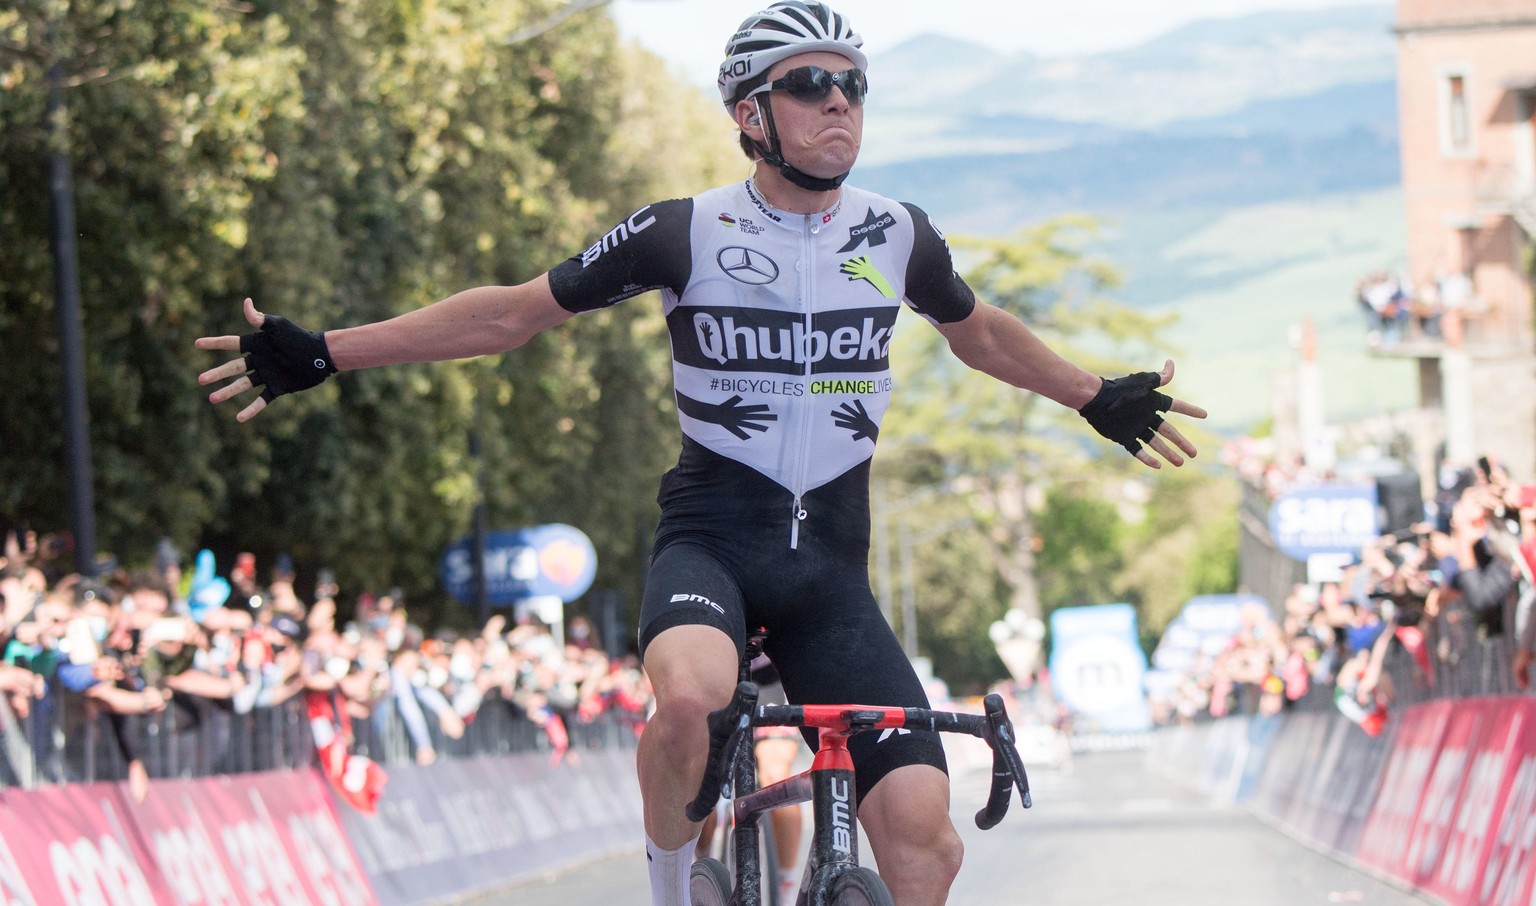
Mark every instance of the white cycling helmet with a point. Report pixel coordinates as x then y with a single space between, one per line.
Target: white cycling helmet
784 29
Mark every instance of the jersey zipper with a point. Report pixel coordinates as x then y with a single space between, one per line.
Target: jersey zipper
810 228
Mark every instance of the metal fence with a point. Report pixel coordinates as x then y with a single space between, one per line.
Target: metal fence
68 739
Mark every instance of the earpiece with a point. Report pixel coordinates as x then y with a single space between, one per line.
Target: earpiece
753 120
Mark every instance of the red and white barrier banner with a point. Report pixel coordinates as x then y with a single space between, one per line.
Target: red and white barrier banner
1508 874
1455 815
1415 747
229 841
466 825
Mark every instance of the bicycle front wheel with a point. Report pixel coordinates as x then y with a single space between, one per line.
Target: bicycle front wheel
859 887
709 883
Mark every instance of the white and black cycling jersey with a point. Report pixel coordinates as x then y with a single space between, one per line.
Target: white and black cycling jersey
781 324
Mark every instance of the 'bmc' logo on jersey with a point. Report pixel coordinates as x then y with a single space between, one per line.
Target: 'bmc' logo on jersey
617 235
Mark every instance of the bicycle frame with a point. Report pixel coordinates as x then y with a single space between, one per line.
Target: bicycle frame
829 783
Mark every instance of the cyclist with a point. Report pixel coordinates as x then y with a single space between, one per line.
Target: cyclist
780 294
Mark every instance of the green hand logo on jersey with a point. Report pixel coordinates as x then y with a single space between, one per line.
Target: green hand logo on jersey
861 269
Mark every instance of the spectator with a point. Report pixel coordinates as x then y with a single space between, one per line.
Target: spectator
124 654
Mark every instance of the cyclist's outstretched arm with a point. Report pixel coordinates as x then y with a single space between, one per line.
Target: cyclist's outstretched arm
995 342
282 357
479 321
1126 410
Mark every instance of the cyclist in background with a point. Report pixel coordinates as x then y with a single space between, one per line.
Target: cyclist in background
781 294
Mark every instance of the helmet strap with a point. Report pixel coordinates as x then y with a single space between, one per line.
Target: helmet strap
772 157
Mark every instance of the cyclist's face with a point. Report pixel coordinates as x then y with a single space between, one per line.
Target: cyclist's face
821 138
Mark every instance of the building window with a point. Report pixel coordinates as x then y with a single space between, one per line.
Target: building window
1455 114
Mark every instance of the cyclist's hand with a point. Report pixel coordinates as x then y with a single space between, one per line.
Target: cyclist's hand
280 357
1129 411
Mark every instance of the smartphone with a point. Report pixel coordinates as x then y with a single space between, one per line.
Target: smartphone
81 642
165 629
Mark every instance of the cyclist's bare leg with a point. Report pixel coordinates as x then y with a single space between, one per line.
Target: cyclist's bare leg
775 762
906 818
692 670
706 836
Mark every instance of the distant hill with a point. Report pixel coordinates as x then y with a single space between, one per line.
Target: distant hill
925 91
1138 173
1246 171
1368 106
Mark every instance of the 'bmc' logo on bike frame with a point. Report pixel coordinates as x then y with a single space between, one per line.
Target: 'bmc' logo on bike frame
842 827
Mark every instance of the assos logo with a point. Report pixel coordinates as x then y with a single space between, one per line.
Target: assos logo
872 230
617 235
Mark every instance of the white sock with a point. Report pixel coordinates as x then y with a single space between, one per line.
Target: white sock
789 879
788 884
669 872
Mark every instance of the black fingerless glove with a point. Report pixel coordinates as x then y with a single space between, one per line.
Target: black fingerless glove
1128 410
285 358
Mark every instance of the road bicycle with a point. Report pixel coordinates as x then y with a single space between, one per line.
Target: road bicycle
833 875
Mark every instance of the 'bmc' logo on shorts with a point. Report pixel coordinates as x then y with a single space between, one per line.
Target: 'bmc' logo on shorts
697 599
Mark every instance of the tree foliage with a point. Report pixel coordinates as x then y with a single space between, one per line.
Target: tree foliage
339 162
1040 506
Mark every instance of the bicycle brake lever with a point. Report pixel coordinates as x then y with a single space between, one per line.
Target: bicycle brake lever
1007 767
726 728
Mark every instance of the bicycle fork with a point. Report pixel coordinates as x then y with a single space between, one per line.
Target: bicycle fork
834 847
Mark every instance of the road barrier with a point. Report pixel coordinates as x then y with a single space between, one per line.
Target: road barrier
1443 803
440 833
474 824
243 839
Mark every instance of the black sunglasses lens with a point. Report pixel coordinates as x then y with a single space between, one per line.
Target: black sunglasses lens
808 83
812 84
855 85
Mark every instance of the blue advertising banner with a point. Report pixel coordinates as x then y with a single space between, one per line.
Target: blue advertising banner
543 561
1204 627
1097 666
1329 519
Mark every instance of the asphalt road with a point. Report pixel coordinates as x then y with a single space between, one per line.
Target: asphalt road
1107 831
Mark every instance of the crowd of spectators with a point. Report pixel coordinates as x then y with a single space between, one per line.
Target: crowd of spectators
1432 307
123 648
1441 608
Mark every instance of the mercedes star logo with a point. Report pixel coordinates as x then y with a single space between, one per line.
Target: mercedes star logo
747 266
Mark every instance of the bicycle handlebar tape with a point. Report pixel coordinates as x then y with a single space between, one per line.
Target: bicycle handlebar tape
286 358
727 726
1128 410
1007 768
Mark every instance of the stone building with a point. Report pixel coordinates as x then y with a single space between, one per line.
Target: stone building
1467 107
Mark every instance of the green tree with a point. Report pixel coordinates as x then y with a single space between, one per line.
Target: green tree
1186 546
338 163
1081 549
995 452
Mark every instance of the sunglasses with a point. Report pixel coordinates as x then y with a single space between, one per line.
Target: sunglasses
812 84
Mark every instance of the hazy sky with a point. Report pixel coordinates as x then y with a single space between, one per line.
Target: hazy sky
693 32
